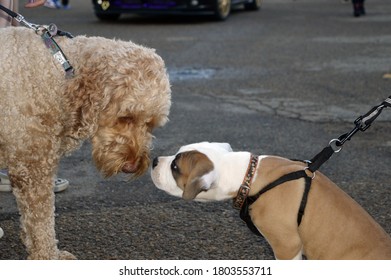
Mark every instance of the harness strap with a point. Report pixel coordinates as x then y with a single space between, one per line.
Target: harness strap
285 178
244 212
321 158
304 199
245 216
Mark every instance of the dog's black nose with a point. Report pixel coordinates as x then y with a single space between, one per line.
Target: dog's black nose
155 162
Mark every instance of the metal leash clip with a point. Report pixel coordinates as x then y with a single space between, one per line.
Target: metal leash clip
362 123
19 18
52 29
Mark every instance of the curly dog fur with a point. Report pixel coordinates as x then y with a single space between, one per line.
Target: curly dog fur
119 94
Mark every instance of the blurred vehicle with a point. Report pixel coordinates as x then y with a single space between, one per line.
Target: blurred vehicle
220 9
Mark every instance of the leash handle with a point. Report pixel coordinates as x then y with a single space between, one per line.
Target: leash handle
387 102
364 122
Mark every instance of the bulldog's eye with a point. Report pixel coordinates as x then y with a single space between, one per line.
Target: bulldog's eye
174 167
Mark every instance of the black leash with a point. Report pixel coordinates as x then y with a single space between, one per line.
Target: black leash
9 12
19 18
47 33
362 123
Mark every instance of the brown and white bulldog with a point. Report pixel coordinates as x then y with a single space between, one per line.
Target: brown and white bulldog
334 226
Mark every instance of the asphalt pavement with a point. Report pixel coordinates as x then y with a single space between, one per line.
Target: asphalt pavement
284 80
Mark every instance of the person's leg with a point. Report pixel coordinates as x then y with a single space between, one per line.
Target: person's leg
356 11
361 7
358 8
53 4
5 20
15 8
65 4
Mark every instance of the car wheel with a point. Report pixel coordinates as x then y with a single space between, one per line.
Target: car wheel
223 9
107 17
253 5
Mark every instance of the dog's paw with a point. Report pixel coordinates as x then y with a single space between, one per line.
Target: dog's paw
64 255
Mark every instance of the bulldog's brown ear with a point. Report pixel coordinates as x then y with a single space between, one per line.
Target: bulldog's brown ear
198 180
193 189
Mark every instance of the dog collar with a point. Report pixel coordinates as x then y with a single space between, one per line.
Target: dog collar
57 53
246 184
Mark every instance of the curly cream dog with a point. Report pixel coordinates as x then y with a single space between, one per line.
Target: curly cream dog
334 226
119 94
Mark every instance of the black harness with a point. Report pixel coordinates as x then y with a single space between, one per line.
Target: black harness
249 200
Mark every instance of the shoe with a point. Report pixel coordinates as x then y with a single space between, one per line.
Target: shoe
362 10
53 4
60 185
5 185
1 232
358 10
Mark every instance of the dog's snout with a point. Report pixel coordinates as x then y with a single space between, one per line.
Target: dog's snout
129 167
155 162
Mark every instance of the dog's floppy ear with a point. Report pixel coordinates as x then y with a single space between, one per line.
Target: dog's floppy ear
85 100
201 177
